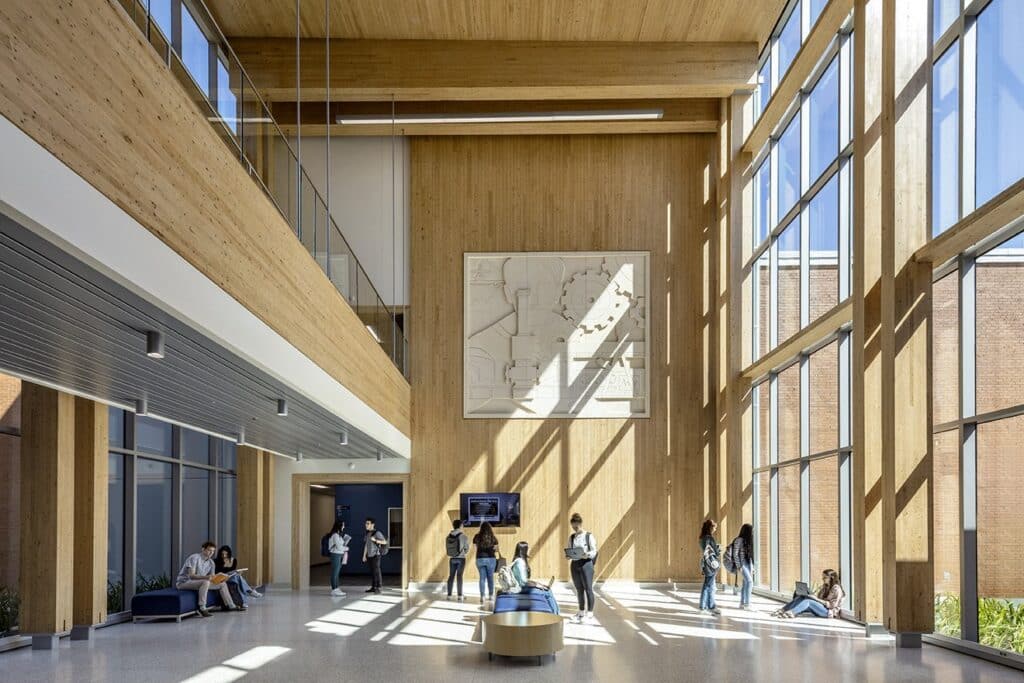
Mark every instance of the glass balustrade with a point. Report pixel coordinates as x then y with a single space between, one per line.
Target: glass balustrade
215 80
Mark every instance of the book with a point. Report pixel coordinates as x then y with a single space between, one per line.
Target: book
221 577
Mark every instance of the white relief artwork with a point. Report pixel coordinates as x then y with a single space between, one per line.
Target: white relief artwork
556 335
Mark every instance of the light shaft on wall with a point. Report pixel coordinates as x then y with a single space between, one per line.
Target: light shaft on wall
510 117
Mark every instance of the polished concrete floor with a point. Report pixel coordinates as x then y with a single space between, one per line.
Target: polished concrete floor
643 635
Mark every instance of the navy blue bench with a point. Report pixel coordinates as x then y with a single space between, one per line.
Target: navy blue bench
530 600
170 603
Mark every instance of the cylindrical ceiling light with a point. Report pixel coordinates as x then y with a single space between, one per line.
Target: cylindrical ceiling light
380 456
141 406
155 344
298 458
343 440
282 407
241 437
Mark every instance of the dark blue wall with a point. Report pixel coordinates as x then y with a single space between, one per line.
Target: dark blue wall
353 503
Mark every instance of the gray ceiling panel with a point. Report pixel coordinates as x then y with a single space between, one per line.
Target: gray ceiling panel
64 323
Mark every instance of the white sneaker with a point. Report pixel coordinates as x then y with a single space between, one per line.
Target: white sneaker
590 618
255 593
577 618
717 612
337 593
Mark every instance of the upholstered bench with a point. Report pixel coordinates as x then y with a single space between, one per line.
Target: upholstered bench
169 603
530 600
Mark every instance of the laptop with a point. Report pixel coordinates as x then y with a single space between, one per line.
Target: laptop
802 589
575 553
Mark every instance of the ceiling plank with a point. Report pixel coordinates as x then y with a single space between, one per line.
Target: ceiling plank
372 70
564 20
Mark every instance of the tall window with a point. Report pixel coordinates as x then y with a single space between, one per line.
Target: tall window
169 490
195 50
979 419
976 149
801 455
800 264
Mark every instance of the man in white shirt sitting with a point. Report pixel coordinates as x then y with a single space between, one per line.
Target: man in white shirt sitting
195 575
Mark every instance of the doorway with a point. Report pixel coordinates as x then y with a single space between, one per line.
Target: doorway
319 499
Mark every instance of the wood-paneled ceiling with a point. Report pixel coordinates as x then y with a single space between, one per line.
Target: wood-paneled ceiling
531 20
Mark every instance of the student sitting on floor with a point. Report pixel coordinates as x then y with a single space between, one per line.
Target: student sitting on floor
826 603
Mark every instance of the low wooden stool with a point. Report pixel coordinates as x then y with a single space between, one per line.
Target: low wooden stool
523 634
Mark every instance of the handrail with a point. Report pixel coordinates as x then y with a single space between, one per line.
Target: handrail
261 151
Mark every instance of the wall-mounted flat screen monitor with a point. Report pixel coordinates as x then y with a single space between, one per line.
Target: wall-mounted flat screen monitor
500 509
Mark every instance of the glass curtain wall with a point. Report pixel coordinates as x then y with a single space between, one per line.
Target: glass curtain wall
977 96
800 268
169 490
801 459
801 259
978 420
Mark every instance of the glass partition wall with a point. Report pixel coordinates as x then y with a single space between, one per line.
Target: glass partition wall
170 489
185 35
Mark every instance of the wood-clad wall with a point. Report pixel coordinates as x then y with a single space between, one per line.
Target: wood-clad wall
81 80
642 485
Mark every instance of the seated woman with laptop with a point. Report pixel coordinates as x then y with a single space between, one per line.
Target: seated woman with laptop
826 603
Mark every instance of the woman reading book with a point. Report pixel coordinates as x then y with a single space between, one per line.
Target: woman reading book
226 564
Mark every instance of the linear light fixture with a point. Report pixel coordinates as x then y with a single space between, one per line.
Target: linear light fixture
319 486
509 117
373 333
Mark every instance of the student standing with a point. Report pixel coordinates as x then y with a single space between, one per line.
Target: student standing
338 550
743 551
486 559
372 554
709 563
456 546
582 569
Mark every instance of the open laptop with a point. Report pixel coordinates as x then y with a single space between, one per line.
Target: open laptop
802 589
575 553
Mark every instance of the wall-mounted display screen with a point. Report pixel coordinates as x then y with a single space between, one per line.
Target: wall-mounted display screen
500 509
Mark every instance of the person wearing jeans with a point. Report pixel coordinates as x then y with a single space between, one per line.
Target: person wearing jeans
744 550
457 547
195 576
582 570
338 550
371 554
486 559
708 546
826 603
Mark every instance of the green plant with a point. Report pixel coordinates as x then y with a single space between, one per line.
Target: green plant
9 604
1000 622
151 583
115 597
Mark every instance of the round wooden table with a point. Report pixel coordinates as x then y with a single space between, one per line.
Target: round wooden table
522 634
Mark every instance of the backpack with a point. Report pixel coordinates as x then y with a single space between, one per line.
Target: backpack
325 545
383 549
452 544
709 563
505 581
730 559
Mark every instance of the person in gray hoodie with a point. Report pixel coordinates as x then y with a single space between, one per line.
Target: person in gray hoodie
456 545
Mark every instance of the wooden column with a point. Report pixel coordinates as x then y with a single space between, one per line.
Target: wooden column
90 571
47 513
892 461
250 512
268 517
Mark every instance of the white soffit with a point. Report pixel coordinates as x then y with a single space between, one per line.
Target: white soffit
53 200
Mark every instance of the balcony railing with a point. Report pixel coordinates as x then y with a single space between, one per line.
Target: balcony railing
224 91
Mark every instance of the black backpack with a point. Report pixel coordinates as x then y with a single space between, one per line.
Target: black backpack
325 545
